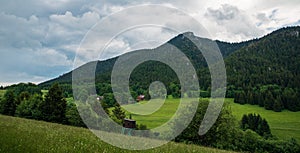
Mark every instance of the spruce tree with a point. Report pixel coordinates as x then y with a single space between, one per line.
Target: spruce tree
255 98
265 128
260 100
243 98
54 105
118 113
278 107
244 123
257 124
250 98
269 101
8 104
237 97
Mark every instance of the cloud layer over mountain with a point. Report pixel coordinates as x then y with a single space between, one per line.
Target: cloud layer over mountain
39 39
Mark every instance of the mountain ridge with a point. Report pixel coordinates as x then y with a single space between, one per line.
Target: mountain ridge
225 48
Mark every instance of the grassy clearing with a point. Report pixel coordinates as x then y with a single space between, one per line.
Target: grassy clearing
284 125
2 92
44 92
23 135
70 100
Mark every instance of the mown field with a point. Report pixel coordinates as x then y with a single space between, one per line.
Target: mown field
157 118
284 124
24 136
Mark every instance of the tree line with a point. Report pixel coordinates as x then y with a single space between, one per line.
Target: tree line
27 101
271 97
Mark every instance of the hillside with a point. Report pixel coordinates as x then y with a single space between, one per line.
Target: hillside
23 135
267 72
274 59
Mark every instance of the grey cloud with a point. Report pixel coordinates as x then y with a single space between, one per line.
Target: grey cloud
262 19
266 19
226 12
234 22
20 32
273 14
40 47
42 8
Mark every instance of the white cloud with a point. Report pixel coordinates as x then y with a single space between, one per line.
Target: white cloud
71 22
50 57
144 37
14 78
18 32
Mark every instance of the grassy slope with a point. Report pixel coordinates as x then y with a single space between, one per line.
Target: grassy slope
23 135
283 124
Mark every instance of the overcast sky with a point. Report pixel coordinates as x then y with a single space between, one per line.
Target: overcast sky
39 39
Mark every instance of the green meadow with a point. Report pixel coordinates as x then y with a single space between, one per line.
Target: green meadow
23 135
284 125
157 118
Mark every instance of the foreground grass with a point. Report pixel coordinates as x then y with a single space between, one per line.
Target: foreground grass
284 125
23 135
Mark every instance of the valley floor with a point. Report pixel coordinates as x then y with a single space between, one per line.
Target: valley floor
284 125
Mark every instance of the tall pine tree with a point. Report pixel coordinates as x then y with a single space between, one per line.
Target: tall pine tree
257 124
118 113
278 107
269 101
8 104
54 106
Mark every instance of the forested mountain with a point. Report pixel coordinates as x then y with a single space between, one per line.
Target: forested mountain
274 59
267 72
260 70
104 68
